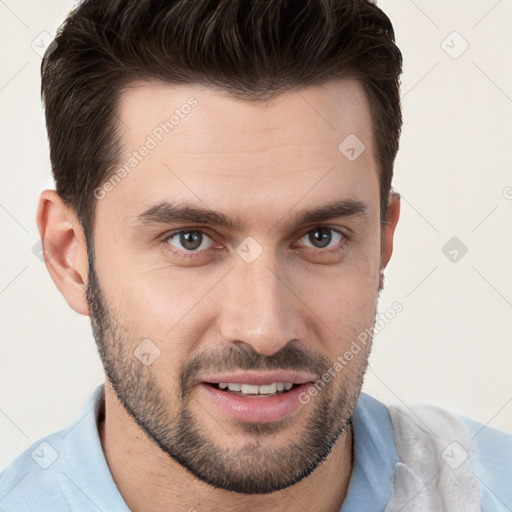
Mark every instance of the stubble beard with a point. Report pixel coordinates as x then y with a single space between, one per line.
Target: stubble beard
253 468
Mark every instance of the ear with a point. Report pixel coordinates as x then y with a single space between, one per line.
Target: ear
388 230
64 249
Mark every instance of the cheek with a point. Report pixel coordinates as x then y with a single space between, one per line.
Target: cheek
344 292
151 292
170 308
343 305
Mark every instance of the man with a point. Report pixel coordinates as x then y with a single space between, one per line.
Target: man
224 214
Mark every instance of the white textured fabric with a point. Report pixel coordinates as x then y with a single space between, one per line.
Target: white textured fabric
434 474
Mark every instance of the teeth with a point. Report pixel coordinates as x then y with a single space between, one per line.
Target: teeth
250 389
254 389
267 389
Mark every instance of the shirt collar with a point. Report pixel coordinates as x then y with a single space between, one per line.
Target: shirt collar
87 466
375 457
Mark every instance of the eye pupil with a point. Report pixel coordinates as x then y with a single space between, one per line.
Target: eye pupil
191 240
320 237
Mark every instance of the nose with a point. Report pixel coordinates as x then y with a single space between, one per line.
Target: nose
259 307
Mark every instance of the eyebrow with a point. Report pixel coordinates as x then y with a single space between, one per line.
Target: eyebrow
168 213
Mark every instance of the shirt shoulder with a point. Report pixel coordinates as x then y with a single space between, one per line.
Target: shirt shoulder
34 479
64 471
492 464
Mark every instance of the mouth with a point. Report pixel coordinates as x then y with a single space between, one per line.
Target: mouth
253 390
256 396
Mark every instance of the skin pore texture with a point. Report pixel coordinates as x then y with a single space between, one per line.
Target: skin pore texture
204 309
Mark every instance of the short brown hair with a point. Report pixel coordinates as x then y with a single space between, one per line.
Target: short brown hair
253 49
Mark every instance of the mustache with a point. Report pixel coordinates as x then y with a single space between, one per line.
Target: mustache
244 357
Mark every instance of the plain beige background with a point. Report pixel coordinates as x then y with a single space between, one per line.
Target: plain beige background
452 343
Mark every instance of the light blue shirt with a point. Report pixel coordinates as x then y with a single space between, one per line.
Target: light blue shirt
67 470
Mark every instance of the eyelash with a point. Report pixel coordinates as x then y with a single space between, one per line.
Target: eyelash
198 254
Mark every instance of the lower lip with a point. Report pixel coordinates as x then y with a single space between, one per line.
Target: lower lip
258 409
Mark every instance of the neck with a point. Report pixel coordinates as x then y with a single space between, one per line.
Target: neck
148 479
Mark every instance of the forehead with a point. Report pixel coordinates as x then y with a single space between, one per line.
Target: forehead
185 142
323 114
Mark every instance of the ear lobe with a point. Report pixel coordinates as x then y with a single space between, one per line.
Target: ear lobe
388 230
64 249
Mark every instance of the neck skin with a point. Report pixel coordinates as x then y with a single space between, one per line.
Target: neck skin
148 479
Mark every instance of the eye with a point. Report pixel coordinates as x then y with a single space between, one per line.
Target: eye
322 237
190 241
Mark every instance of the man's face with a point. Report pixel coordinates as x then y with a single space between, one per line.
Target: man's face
272 299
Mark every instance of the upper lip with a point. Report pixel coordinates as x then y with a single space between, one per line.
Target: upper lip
261 378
